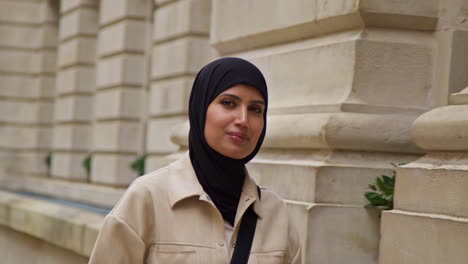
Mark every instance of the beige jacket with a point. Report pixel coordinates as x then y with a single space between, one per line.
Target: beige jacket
166 217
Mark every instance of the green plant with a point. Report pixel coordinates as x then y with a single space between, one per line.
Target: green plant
48 162
87 161
383 189
139 165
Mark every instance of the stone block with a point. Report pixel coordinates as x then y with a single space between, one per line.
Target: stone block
459 57
48 35
31 163
44 61
158 135
169 97
99 195
49 12
46 86
155 162
400 68
442 129
19 137
160 2
328 9
69 166
309 82
127 35
71 4
26 112
81 50
113 169
300 179
91 231
266 23
180 133
76 79
316 182
180 57
117 136
74 108
19 37
71 137
342 234
45 112
19 86
44 137
417 7
182 18
414 14
20 12
120 103
121 70
409 238
16 61
30 87
55 223
350 131
112 10
372 132
18 247
434 184
82 21
346 185
269 22
25 138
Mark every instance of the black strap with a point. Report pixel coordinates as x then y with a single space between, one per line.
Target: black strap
245 235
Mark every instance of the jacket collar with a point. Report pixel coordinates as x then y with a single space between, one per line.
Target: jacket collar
183 183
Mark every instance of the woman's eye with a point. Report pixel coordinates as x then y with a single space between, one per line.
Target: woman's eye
227 103
256 109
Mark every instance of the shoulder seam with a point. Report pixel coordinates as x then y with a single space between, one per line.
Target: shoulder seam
127 225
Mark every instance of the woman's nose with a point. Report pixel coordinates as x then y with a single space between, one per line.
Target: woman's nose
242 116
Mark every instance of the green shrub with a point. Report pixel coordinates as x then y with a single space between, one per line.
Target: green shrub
139 165
383 190
48 162
87 162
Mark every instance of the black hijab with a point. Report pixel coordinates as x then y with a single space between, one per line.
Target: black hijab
221 177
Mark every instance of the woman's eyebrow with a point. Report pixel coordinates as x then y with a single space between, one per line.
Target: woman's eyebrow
240 99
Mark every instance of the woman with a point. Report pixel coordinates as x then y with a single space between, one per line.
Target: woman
197 208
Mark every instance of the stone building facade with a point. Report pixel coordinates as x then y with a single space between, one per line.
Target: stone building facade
354 86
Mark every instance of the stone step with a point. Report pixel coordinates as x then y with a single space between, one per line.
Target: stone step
412 238
337 234
436 184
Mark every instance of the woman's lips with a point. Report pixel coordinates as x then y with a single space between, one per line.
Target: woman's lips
238 137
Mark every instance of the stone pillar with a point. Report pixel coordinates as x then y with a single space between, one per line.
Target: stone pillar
430 221
122 76
180 49
75 88
346 81
27 76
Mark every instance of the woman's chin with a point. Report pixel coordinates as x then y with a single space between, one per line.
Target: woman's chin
234 154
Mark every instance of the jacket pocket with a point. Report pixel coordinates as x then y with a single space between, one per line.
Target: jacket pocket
172 254
272 257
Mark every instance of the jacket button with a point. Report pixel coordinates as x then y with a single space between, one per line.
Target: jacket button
221 244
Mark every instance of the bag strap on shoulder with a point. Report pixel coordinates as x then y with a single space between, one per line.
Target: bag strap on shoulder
245 235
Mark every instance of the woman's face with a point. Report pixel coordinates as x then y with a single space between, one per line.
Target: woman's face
234 121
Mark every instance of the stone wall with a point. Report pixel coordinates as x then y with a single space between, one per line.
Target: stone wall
430 220
351 83
21 248
28 44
